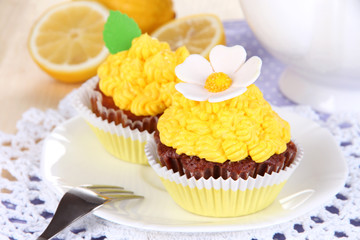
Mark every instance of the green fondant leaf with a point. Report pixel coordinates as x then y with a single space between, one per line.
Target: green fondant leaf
119 31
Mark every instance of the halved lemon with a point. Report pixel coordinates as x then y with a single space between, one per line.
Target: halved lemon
67 41
199 33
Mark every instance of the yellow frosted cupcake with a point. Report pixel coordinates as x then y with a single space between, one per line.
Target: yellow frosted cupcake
133 88
220 149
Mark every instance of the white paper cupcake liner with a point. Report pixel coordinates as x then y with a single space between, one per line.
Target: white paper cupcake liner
122 142
219 197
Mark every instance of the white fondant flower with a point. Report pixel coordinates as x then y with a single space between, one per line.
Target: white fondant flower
226 75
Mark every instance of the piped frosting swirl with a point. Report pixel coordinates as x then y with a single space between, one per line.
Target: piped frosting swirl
231 130
142 79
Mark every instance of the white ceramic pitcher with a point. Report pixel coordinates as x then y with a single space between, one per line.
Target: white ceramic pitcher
319 41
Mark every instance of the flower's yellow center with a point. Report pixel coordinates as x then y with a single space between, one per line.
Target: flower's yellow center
217 82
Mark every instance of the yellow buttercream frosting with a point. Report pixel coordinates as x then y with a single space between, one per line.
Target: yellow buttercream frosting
142 79
229 130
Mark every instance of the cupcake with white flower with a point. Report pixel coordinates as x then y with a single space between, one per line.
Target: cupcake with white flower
220 149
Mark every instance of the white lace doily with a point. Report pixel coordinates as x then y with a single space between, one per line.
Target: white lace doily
27 203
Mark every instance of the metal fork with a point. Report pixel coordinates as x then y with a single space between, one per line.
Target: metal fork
80 201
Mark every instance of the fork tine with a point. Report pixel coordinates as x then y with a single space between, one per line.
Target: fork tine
112 192
108 191
102 187
105 189
115 197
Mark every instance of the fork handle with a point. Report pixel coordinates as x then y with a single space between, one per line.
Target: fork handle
70 208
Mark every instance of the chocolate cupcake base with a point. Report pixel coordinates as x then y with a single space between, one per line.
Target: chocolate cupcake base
193 166
104 107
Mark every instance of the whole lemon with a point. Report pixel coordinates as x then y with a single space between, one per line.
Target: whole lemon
148 14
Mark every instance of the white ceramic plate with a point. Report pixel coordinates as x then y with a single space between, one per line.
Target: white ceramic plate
73 156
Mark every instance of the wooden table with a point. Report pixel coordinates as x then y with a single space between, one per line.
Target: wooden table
24 85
